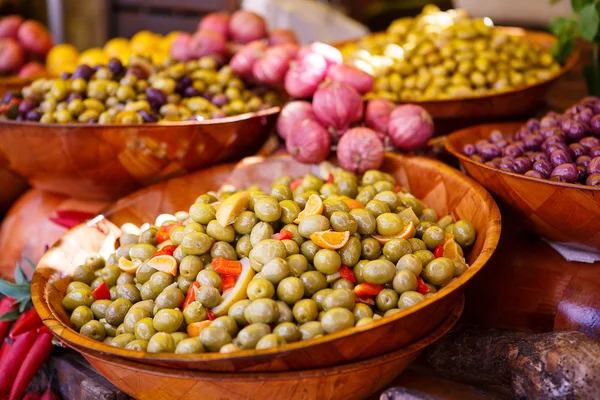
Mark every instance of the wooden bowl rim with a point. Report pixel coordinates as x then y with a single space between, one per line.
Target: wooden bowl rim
151 125
436 334
467 132
539 37
52 321
15 79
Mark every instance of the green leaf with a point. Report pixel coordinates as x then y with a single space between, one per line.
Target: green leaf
557 25
20 276
30 262
563 49
592 78
24 305
578 5
16 291
10 316
589 22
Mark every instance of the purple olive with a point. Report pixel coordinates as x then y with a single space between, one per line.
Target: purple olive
597 107
595 152
543 167
548 121
567 171
532 124
191 92
577 131
521 165
594 166
534 174
566 123
65 75
589 142
26 105
83 71
593 180
506 166
537 155
220 100
155 97
137 72
495 136
533 141
520 145
469 150
550 141
558 157
582 161
512 151
115 66
489 151
548 131
584 116
182 84
502 143
521 133
581 173
577 150
595 125
557 146
478 144
73 96
148 117
33 116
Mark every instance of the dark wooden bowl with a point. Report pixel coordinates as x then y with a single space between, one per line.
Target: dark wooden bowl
344 382
563 212
105 162
440 186
515 102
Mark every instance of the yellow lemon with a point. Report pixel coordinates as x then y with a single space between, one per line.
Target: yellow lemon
93 56
144 42
59 57
165 43
116 47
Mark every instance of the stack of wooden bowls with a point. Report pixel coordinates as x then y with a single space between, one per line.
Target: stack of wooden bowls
349 364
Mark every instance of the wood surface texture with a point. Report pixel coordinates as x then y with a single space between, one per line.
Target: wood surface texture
105 162
441 187
562 212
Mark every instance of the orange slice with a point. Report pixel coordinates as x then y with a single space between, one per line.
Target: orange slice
314 206
130 266
164 263
231 207
453 251
408 232
330 239
352 204
195 328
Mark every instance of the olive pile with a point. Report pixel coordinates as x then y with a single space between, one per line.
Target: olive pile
439 55
315 257
138 93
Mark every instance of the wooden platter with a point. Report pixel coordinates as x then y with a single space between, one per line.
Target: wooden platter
441 187
563 212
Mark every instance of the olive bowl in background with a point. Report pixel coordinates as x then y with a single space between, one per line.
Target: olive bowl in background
105 162
443 188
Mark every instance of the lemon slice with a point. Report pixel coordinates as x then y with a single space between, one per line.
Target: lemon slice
130 266
238 292
314 206
164 263
231 207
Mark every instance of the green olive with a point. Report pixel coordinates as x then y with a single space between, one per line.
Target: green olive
338 298
312 224
464 233
313 282
80 316
386 300
337 319
311 330
196 243
370 249
267 209
260 289
365 220
439 271
362 311
161 342
218 232
327 261
248 337
236 311
244 222
409 299
434 237
379 272
261 311
191 345
288 331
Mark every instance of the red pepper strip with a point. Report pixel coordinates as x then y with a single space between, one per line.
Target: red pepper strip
81 215
210 314
165 251
35 358
397 188
438 251
12 360
227 267
191 294
26 322
366 300
228 282
295 183
283 235
329 178
421 286
347 274
368 289
6 305
101 292
5 349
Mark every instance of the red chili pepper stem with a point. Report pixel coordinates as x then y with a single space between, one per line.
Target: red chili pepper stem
26 321
35 358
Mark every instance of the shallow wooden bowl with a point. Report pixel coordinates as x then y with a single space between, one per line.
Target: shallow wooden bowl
440 186
515 102
13 83
105 162
563 212
345 382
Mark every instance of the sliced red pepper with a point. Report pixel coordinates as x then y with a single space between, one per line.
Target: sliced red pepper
368 289
167 250
228 282
347 274
438 251
295 183
211 315
421 286
101 292
7 304
227 267
191 294
397 188
365 300
329 178
283 235
26 322
13 358
163 232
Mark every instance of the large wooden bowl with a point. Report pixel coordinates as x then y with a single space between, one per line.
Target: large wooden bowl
563 212
105 162
13 83
440 186
344 382
515 102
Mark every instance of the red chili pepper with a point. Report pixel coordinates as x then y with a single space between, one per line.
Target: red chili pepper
295 183
5 349
49 394
12 360
329 178
101 292
227 267
365 300
6 305
35 358
210 314
421 286
167 250
368 289
438 251
163 232
191 294
26 322
283 235
347 274
397 188
32 396
228 282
